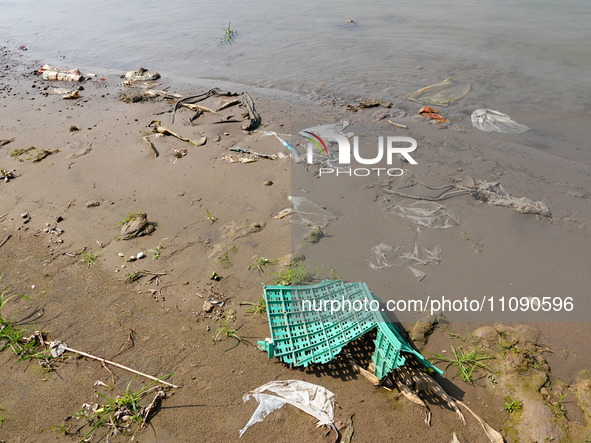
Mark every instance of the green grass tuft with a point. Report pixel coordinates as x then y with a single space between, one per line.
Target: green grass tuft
467 362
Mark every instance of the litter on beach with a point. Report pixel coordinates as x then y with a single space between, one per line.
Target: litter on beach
424 213
142 75
488 120
301 336
69 75
494 194
158 128
441 94
306 212
252 117
254 154
428 111
293 152
310 398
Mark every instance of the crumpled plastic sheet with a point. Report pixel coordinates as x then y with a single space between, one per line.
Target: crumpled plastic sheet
385 256
310 398
382 256
291 149
494 194
488 120
433 255
306 212
327 133
424 213
441 94
420 275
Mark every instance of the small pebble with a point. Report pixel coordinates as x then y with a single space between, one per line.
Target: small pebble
268 182
121 254
25 215
140 255
92 203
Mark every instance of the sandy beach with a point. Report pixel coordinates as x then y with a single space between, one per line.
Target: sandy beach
213 214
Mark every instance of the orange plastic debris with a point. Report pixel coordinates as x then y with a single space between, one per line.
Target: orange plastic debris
432 114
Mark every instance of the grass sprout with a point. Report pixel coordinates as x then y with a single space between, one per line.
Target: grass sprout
467 362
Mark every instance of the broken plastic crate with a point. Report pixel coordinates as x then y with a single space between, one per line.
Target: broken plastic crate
301 337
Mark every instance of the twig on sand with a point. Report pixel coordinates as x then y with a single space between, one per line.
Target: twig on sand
5 240
398 125
72 203
151 145
112 363
157 274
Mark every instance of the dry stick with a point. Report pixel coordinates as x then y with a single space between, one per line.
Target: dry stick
228 105
117 365
5 240
398 125
151 145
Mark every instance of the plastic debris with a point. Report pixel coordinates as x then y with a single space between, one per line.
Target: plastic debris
254 154
441 94
424 213
306 212
293 152
310 398
65 93
432 114
488 120
385 256
57 348
382 256
141 75
494 194
6 174
238 158
322 137
302 335
53 73
420 275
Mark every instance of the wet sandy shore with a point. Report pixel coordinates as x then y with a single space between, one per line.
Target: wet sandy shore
494 251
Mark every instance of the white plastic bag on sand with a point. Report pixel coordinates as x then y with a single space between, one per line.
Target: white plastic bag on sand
310 398
424 213
488 120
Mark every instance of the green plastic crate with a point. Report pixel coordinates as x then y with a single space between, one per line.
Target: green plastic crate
301 337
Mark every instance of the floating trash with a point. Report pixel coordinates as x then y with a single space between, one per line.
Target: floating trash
441 94
488 120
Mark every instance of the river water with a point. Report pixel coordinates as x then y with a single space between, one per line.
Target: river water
528 58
